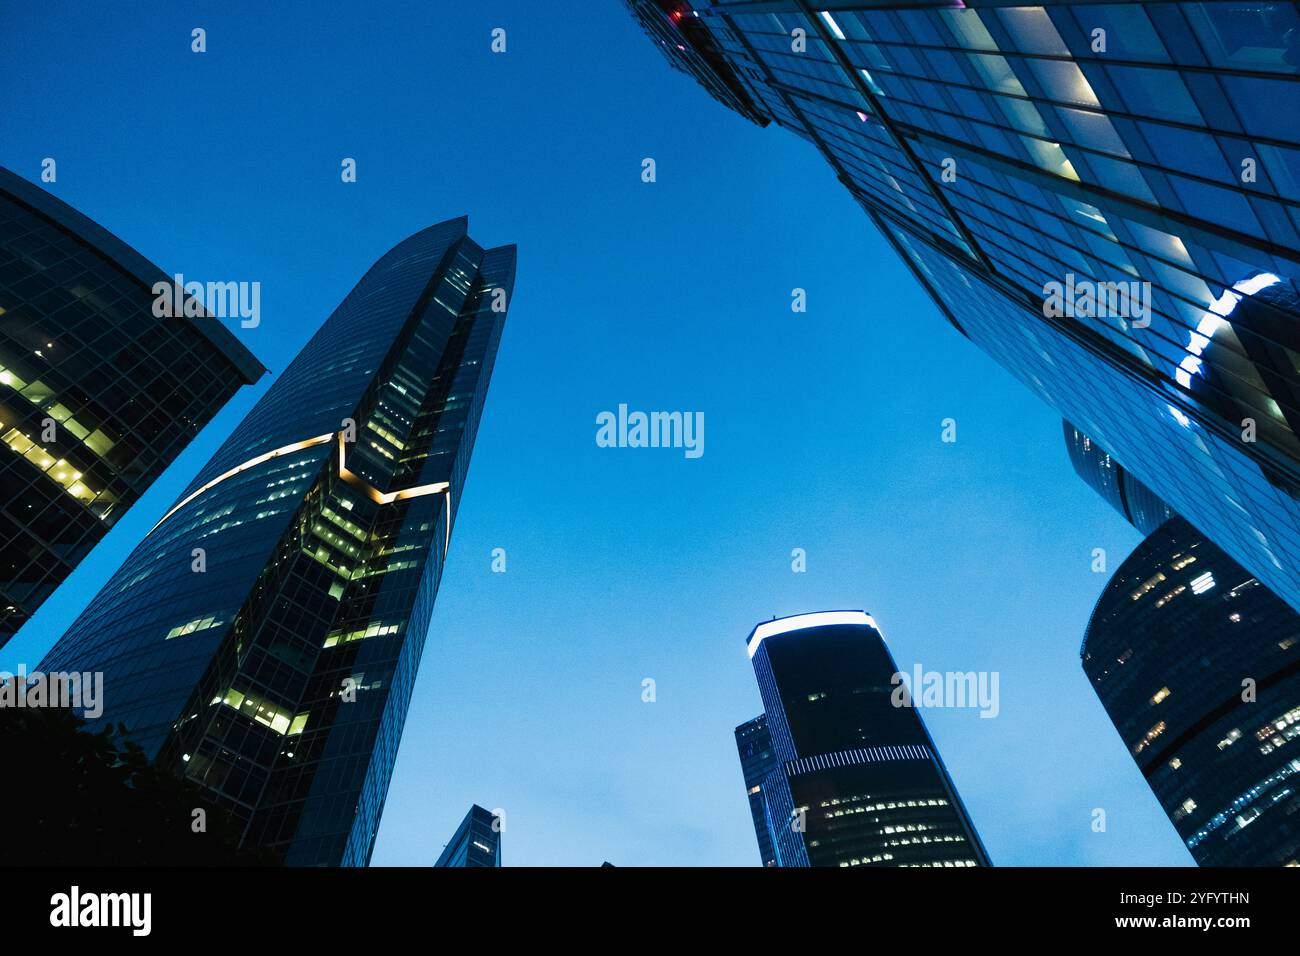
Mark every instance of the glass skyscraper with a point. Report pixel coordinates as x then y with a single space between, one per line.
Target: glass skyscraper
97 394
1102 196
754 743
264 638
1198 666
856 780
476 842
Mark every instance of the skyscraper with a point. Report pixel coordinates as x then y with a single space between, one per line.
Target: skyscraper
476 842
856 780
754 743
264 638
1103 197
1185 647
97 393
1198 666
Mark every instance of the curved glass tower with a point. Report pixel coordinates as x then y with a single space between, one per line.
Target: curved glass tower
856 779
1198 666
264 638
98 395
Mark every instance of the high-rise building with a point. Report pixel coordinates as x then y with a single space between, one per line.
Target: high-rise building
1138 504
754 743
1198 666
857 780
97 393
1102 196
477 841
1177 638
264 638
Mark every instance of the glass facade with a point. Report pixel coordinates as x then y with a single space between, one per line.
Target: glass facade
97 394
1139 505
1101 196
1198 666
701 57
264 638
856 780
477 841
754 744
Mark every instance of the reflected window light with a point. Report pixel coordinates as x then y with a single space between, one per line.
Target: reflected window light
1215 319
830 22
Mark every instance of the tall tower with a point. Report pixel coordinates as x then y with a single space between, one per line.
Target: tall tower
754 744
264 638
1103 197
476 842
857 780
1198 666
98 394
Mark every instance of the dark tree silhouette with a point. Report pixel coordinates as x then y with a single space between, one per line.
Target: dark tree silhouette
69 797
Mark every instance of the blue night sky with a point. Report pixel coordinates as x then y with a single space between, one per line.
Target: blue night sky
822 429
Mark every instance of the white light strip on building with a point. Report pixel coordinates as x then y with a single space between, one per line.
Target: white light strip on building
800 622
861 755
251 463
373 493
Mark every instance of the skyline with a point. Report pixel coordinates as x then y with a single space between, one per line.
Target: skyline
732 538
1003 147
